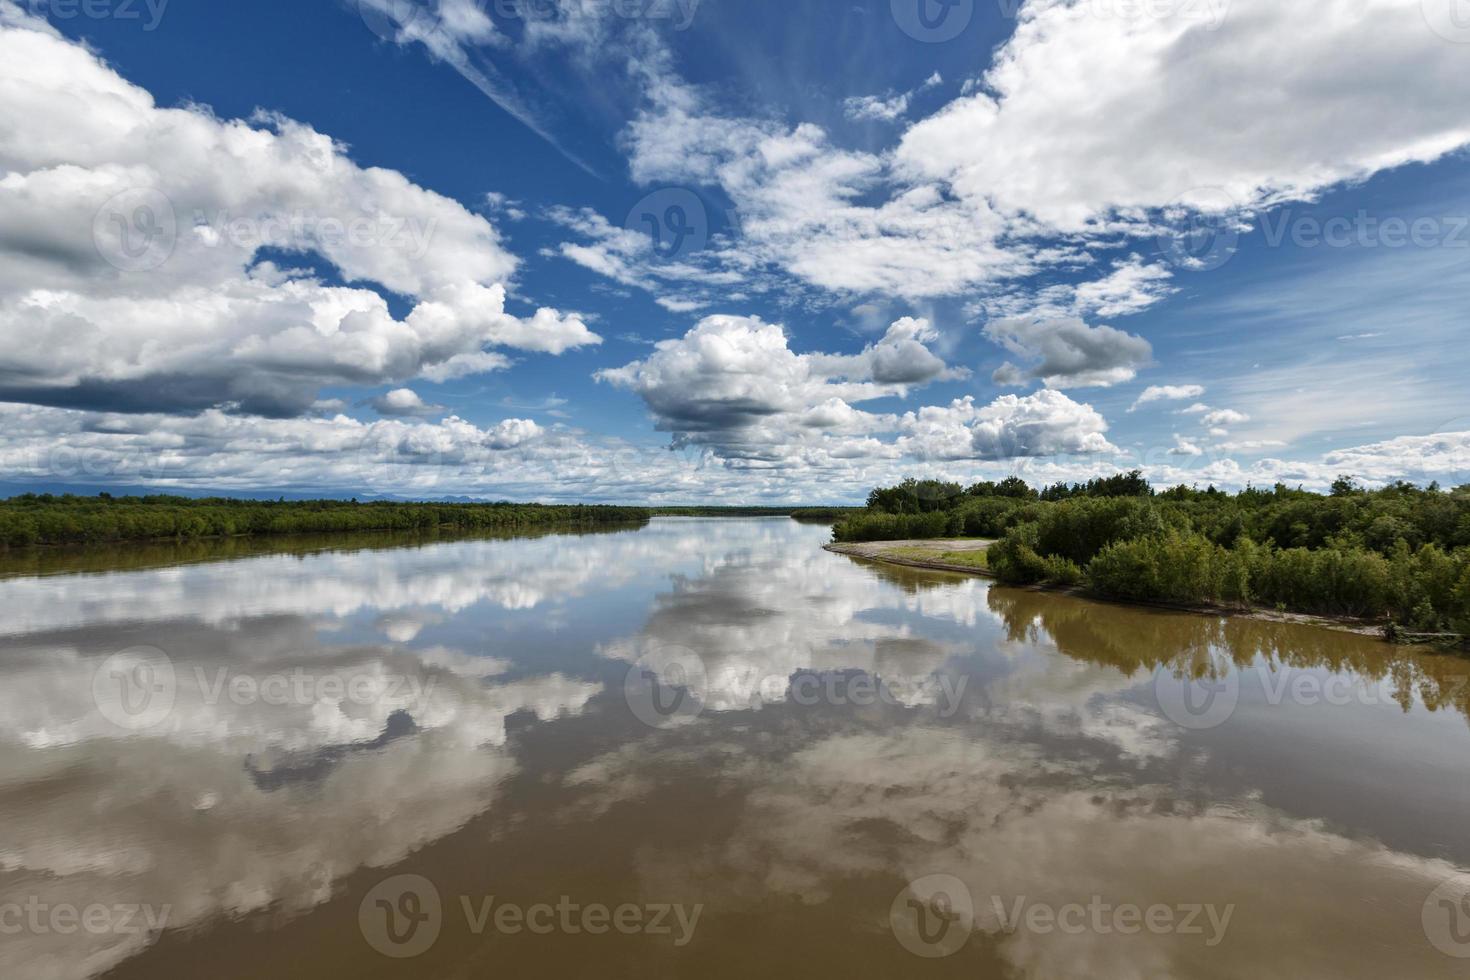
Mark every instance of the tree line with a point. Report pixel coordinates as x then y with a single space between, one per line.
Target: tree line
45 519
1400 554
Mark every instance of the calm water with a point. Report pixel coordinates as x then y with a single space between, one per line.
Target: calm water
705 748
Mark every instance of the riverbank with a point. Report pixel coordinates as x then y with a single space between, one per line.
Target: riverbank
31 519
1398 555
133 556
953 555
966 555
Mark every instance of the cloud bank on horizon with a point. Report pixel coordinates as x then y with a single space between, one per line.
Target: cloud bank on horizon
1047 255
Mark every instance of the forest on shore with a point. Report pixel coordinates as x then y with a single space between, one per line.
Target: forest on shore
45 519
1398 555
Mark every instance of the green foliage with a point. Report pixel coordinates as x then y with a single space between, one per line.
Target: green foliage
1174 566
46 519
1459 612
824 515
1122 485
915 497
990 517
1078 529
1015 558
1400 553
1331 581
892 527
1012 486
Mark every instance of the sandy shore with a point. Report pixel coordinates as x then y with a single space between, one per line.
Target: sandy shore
884 551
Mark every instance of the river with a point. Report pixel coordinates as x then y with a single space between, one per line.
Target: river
702 748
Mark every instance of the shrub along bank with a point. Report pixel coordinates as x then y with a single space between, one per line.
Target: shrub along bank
1400 554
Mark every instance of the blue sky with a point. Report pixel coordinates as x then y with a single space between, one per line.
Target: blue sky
1220 240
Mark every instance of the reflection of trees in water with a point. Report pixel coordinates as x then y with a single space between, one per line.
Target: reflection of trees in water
910 579
1140 641
133 556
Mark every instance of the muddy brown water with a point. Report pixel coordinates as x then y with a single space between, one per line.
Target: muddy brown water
703 748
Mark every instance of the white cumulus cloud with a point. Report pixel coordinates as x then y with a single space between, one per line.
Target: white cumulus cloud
1067 353
1047 423
132 275
1160 393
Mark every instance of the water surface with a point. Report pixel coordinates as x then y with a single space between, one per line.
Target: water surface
325 758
